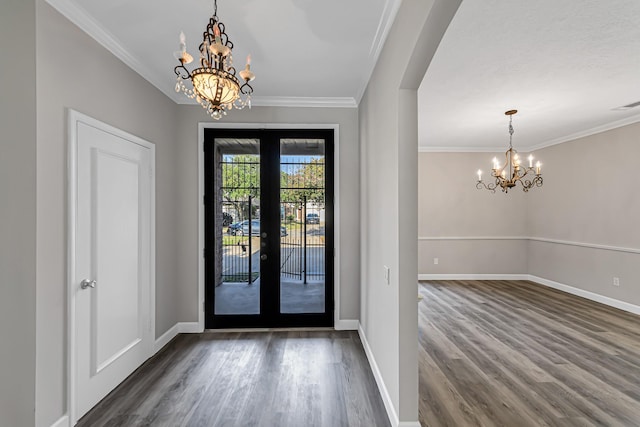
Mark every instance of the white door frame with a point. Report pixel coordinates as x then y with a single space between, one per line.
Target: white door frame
336 205
73 118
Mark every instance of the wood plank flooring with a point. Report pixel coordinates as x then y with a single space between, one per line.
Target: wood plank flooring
498 353
289 378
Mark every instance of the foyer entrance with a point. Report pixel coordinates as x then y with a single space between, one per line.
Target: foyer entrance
268 228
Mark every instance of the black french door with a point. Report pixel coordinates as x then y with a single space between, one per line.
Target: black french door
269 234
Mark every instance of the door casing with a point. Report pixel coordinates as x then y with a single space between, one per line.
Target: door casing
73 118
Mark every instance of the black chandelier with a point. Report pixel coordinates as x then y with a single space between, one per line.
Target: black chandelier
214 84
513 171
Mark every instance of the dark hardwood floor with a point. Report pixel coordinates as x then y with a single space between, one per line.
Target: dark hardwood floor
497 353
289 378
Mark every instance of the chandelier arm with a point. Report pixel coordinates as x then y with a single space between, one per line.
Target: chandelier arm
491 186
182 72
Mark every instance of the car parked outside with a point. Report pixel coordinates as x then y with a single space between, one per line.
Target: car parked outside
313 218
242 228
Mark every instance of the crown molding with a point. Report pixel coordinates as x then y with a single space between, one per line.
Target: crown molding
291 101
384 26
422 149
86 23
298 101
592 131
572 137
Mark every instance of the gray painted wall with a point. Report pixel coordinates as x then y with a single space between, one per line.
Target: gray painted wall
588 198
388 143
73 71
450 205
348 187
17 213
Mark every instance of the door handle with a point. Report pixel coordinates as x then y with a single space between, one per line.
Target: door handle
86 283
263 257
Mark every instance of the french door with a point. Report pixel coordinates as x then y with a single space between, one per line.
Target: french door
268 228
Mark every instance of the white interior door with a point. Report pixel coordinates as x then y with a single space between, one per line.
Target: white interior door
111 285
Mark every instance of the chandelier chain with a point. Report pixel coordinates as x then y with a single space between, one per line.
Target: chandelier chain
510 132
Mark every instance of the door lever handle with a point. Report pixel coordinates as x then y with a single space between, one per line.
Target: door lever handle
86 283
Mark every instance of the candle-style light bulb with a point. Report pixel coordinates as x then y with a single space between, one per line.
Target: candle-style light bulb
530 160
182 55
479 175
538 164
495 163
247 74
216 33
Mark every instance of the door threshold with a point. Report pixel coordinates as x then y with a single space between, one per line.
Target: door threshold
303 329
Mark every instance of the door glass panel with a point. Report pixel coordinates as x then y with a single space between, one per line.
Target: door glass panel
302 226
237 226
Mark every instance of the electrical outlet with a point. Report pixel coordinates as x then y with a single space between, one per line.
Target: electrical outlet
436 261
387 273
616 281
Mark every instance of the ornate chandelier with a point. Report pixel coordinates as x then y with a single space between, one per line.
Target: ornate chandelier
215 85
513 171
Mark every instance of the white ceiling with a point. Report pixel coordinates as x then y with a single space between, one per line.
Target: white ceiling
563 64
304 52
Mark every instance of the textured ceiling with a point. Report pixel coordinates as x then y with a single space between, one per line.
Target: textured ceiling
316 51
565 65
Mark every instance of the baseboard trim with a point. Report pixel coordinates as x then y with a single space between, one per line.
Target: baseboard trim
178 328
611 302
384 393
190 328
62 422
409 424
165 338
473 277
347 325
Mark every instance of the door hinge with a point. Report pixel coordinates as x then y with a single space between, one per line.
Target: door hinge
204 200
204 253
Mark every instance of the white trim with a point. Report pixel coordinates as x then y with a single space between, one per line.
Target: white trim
423 149
82 19
291 101
474 238
76 14
347 325
631 308
409 424
473 277
537 239
73 118
572 137
189 328
62 422
336 202
382 388
178 328
389 13
303 102
585 133
165 338
586 245
622 305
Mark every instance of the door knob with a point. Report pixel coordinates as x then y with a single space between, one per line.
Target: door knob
263 257
86 283
263 235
